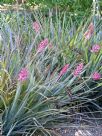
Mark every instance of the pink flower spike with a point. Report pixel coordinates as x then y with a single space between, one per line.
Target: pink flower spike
91 28
63 70
87 35
96 76
95 48
23 74
89 32
78 69
36 27
42 45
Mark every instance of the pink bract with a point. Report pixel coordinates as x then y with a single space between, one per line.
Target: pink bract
95 48
91 28
78 69
96 76
89 32
23 74
42 45
36 26
87 35
63 70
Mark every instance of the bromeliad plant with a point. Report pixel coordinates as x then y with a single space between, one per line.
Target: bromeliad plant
43 83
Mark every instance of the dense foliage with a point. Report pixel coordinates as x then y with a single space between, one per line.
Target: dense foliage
50 71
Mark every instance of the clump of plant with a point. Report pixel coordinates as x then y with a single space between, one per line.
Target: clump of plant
43 84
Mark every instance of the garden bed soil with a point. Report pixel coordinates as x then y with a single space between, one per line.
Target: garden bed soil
84 127
80 131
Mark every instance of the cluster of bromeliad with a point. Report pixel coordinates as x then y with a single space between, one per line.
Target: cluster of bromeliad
23 74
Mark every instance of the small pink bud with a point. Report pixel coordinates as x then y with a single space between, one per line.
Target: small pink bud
95 48
96 76
23 75
78 69
36 26
42 45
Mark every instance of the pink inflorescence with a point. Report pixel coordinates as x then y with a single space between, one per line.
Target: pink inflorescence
96 76
78 69
63 70
89 32
95 48
23 75
36 26
42 45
